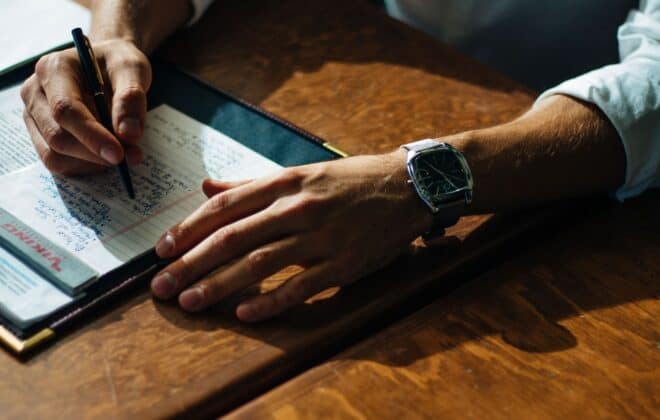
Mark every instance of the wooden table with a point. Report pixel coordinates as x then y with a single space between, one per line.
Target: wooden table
346 72
569 329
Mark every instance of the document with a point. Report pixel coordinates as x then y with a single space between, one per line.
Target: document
93 218
16 150
33 27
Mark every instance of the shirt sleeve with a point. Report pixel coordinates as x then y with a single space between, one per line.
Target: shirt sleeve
628 93
199 7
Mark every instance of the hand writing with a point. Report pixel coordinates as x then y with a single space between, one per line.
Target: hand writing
339 220
60 113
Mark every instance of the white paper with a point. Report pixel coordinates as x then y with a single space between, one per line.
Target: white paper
24 295
16 150
94 218
31 27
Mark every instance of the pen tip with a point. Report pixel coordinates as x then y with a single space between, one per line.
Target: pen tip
129 189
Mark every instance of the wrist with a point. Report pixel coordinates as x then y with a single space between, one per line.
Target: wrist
101 36
114 30
418 216
143 23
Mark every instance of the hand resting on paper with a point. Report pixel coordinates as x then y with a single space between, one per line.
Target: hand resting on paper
315 216
343 219
61 117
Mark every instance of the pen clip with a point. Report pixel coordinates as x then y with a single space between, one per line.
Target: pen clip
97 69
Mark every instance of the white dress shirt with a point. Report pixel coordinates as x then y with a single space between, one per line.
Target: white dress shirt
542 43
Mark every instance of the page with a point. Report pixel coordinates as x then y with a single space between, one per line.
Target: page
16 150
94 218
32 27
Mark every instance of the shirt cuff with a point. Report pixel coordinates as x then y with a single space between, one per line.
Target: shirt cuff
628 95
199 7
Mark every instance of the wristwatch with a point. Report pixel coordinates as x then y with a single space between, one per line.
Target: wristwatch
442 179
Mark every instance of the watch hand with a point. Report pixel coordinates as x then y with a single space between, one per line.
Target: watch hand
441 173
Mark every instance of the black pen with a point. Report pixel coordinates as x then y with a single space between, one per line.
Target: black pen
95 82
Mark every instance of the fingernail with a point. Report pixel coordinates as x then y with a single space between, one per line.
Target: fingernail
163 285
246 312
111 155
191 299
130 127
165 246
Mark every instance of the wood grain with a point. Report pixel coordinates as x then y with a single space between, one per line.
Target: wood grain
568 330
346 72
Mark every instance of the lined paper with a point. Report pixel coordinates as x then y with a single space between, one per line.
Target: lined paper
94 218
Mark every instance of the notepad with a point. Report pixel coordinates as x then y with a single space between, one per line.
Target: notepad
93 218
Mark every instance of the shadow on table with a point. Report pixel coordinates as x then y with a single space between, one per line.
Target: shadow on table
604 263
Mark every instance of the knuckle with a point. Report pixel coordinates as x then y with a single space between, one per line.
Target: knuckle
61 108
55 137
184 271
177 232
43 64
26 89
297 294
134 61
213 290
52 62
259 259
218 203
132 94
227 238
288 178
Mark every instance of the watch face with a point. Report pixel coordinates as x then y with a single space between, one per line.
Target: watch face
439 173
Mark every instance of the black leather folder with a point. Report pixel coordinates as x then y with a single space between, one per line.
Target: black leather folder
248 124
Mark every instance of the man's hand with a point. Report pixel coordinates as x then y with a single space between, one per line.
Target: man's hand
61 117
339 220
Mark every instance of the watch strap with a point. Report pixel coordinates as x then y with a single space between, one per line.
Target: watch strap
447 216
416 146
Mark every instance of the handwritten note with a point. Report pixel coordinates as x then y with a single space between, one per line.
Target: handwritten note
93 217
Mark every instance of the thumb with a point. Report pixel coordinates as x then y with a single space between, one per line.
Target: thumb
130 83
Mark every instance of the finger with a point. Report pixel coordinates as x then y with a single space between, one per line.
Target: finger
56 163
212 187
218 211
60 79
222 246
130 79
294 291
249 269
54 135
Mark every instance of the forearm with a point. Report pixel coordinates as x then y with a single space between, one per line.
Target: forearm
146 23
560 149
